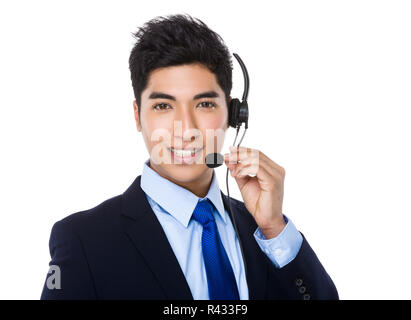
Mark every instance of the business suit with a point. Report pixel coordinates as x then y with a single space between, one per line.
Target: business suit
118 250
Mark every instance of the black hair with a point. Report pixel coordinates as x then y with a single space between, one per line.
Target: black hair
177 40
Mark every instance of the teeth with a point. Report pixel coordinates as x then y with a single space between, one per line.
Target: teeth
184 153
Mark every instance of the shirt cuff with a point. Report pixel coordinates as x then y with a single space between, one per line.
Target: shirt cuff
284 248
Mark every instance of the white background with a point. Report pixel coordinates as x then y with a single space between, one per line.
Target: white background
329 101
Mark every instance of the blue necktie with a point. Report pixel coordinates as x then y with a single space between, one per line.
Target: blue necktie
220 276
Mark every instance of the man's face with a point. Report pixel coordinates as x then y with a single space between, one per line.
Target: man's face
182 108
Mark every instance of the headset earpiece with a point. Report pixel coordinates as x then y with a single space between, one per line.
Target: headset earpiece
233 112
238 111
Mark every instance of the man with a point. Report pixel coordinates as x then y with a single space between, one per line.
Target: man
170 234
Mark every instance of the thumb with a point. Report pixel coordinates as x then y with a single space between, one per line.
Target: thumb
230 166
241 181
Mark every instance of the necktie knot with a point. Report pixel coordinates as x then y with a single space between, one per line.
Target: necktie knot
203 212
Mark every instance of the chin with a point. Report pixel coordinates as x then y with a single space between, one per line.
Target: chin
185 173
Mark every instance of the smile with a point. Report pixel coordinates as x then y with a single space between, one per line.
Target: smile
185 153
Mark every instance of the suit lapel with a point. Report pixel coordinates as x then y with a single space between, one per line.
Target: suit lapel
149 238
257 270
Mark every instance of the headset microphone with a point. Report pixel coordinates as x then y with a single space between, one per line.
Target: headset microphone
214 160
237 114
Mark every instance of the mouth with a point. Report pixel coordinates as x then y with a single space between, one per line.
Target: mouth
185 155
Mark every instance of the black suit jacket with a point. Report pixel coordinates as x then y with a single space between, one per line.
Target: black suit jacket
118 250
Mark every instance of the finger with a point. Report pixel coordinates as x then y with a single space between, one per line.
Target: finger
230 160
264 174
265 180
245 163
271 167
249 170
242 153
240 158
270 164
249 155
234 156
251 160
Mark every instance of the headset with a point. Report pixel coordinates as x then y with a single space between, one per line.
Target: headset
238 111
237 115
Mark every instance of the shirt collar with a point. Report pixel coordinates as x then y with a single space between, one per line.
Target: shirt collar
171 196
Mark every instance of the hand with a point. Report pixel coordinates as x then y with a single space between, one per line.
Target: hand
261 183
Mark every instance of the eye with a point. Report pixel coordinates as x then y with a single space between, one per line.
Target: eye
207 104
160 106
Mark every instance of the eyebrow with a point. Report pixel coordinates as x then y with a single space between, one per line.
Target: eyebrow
162 95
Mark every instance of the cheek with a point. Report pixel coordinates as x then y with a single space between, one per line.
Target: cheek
215 124
155 130
219 120
214 133
212 124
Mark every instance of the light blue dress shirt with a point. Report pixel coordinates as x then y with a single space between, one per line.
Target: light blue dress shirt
173 205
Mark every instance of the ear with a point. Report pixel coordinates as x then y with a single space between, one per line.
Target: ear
138 123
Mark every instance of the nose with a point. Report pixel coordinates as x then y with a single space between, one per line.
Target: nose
185 125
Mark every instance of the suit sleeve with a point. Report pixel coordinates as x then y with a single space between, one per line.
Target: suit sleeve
69 275
303 278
